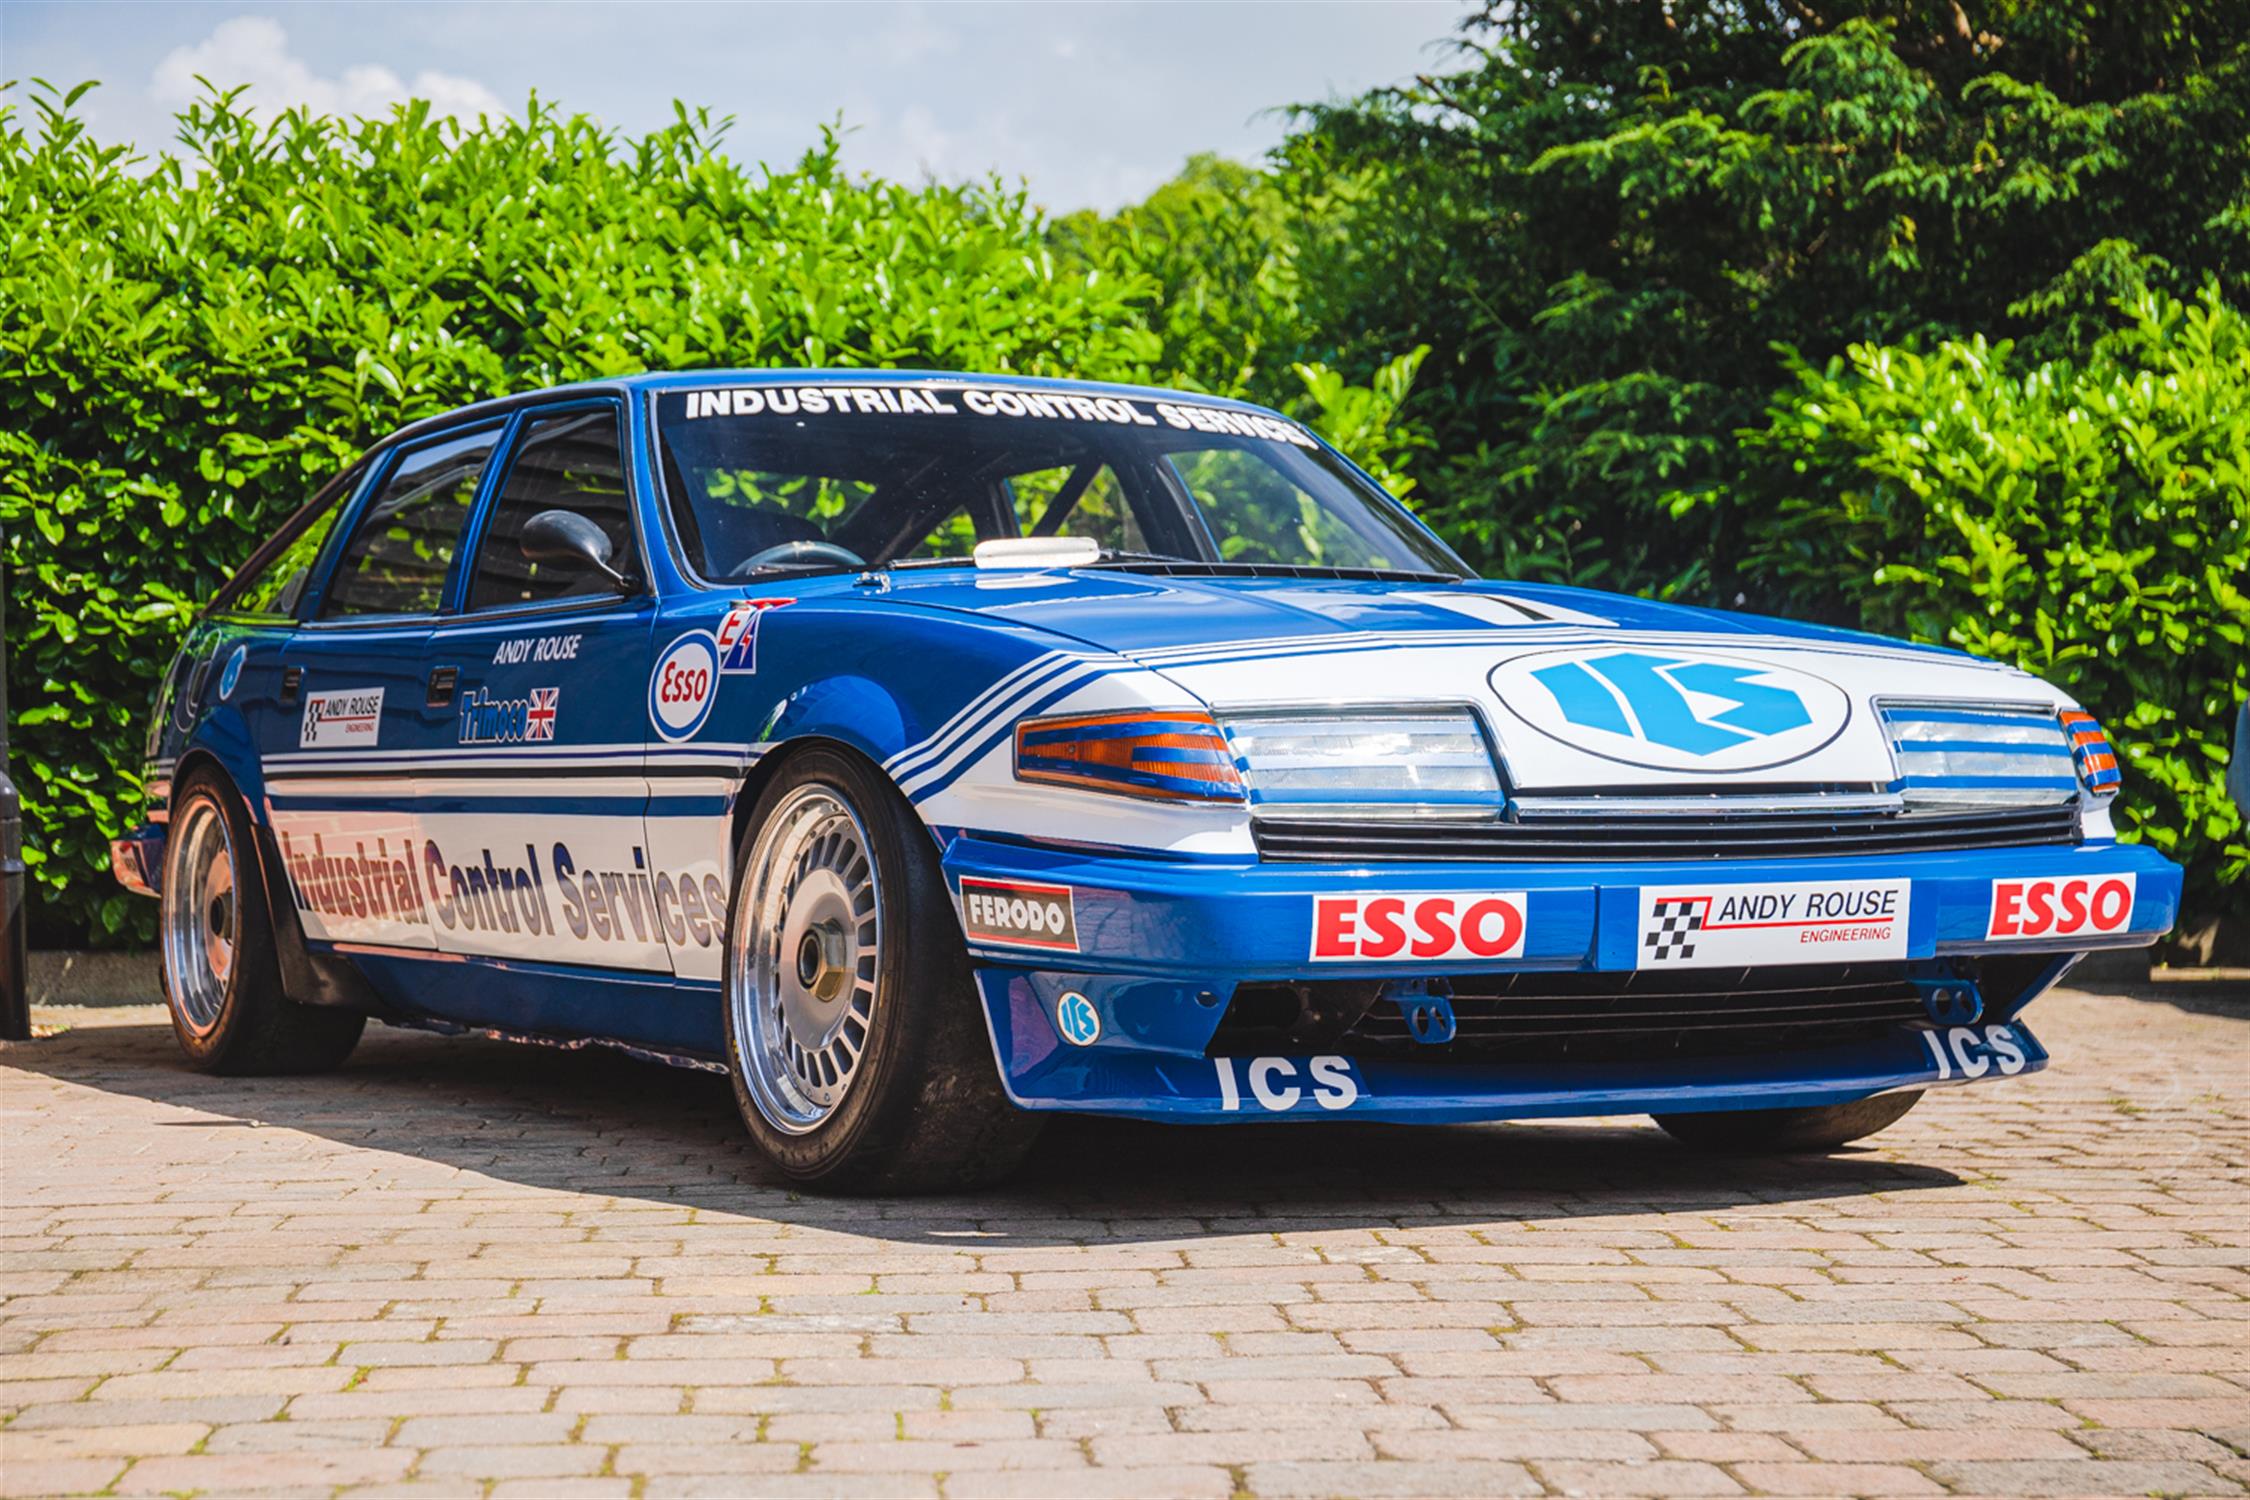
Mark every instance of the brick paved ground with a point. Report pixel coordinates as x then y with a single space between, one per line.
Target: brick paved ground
459 1267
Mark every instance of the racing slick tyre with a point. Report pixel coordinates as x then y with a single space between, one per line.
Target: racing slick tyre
222 982
855 1037
1771 1132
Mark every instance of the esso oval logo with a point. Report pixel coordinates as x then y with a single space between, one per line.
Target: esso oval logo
1665 710
684 685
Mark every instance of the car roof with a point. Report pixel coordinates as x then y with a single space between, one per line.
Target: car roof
681 380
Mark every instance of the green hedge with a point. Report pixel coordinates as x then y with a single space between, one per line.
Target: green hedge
2087 520
186 355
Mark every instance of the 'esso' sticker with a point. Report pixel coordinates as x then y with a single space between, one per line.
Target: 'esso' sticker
2060 906
681 689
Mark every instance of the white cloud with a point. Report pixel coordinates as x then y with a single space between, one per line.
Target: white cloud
912 37
255 51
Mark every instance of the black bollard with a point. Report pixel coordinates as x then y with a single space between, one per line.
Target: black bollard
15 976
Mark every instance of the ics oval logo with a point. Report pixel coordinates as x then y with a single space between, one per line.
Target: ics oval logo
1077 1020
684 684
1671 711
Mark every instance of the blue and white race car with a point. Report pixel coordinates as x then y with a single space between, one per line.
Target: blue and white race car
931 753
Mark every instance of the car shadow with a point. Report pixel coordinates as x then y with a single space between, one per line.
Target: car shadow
2226 994
598 1122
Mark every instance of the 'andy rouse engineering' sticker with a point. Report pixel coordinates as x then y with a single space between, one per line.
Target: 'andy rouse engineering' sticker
347 720
1704 926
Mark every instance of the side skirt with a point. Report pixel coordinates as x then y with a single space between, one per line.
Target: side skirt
524 998
695 1061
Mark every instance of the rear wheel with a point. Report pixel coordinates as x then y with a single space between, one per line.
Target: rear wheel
221 980
854 1034
1774 1131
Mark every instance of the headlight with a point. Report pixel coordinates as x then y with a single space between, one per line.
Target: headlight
1373 763
1956 755
1170 757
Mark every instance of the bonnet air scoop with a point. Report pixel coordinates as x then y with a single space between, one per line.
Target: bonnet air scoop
1038 552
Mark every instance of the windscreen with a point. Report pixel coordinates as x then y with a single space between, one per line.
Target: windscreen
771 478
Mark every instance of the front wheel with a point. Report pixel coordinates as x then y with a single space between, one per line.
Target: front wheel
1766 1132
222 981
855 1037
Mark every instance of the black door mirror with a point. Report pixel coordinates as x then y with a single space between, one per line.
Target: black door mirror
564 536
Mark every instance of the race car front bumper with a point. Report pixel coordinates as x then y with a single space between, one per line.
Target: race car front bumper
1121 998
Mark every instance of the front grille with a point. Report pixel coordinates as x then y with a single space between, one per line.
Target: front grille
1640 1017
1663 836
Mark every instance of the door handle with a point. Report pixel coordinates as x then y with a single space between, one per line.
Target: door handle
442 680
291 679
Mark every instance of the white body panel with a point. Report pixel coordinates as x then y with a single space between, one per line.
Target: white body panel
356 876
1843 743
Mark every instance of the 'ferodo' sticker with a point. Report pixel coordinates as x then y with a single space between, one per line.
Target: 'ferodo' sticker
1418 926
1019 913
2060 907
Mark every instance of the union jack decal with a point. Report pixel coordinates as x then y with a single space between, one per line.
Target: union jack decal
539 723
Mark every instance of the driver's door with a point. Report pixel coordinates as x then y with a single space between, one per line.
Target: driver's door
532 815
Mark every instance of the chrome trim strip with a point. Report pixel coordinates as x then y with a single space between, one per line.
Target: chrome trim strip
1714 804
1407 813
1971 705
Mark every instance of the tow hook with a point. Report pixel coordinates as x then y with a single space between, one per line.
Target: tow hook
1951 1000
1428 1009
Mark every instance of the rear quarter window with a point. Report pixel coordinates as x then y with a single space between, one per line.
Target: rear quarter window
271 584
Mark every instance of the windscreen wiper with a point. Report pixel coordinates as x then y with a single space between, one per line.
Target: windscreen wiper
1275 570
1115 555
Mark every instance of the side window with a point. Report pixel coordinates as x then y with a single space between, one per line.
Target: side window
279 582
568 462
1085 500
396 561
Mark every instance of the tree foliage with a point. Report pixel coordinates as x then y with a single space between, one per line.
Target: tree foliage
1604 221
185 355
2087 519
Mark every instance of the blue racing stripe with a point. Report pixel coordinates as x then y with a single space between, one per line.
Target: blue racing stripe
985 746
920 760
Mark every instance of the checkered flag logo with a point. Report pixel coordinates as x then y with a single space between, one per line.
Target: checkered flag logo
1677 923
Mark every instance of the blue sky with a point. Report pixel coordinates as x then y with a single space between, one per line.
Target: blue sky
1092 104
